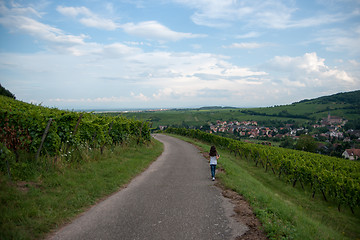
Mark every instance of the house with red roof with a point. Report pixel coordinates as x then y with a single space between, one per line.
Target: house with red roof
352 154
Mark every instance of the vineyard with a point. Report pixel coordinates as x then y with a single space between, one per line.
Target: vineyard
333 178
39 131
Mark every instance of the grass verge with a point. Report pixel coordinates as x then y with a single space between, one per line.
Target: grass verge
284 211
30 210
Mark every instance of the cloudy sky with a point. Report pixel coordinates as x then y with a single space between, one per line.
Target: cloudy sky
88 54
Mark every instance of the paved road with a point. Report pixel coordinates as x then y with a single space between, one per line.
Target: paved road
173 199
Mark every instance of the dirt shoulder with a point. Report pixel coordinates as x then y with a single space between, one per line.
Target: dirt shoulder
243 211
245 215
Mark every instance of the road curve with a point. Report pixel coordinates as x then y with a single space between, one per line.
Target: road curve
173 199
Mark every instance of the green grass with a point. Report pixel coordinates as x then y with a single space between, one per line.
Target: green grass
58 196
285 212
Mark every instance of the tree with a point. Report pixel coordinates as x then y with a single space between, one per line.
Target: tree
205 127
5 92
353 124
287 142
306 143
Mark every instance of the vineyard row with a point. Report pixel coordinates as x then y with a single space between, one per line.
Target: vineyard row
334 178
33 128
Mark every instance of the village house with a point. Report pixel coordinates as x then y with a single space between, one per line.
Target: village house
162 127
213 128
222 129
355 133
352 154
333 121
337 134
318 126
252 130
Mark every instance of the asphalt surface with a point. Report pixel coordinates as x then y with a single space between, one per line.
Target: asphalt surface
173 199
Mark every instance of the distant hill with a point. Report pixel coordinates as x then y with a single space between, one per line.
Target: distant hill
344 97
345 105
216 107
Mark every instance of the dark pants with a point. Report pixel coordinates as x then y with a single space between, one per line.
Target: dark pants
213 168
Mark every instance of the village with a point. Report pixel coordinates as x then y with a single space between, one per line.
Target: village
330 130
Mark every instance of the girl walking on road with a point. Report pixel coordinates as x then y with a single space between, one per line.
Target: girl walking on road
214 156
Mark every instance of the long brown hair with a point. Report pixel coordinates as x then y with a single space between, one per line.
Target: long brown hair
213 151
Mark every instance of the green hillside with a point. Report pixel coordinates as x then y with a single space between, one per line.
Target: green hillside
347 97
345 105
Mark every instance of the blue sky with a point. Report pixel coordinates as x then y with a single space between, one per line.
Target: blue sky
178 53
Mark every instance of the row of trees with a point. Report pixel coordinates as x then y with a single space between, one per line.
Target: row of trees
6 93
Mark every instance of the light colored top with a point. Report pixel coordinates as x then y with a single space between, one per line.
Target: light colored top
213 160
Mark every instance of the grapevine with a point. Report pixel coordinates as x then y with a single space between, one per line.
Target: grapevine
22 127
334 178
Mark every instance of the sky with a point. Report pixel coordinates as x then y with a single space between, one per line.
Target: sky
123 54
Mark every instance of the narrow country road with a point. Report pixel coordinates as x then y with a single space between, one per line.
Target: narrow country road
173 199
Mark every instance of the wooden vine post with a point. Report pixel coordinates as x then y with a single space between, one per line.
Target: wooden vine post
139 138
110 127
78 123
67 146
75 130
43 138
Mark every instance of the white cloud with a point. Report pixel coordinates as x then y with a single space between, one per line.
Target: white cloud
89 19
280 17
89 100
310 71
340 40
172 79
314 21
216 13
100 23
74 11
148 29
56 39
246 45
19 23
249 35
40 30
118 50
265 13
196 46
17 9
187 76
354 63
156 31
140 97
163 93
159 77
75 69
